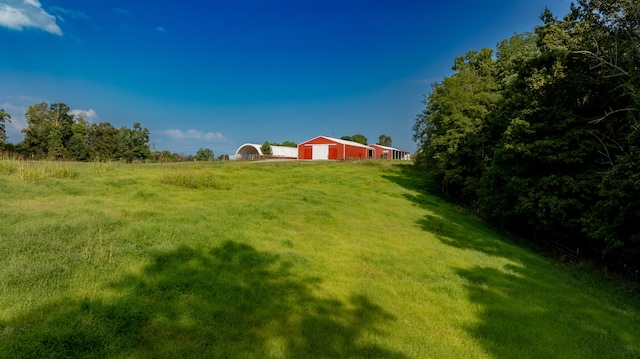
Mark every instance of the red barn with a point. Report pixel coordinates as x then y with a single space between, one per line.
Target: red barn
329 148
389 153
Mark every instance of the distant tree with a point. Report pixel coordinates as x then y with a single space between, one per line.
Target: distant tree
165 156
78 145
384 140
102 140
204 155
4 117
133 143
266 149
48 130
356 138
284 144
223 158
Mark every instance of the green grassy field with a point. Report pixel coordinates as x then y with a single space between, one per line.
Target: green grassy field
280 260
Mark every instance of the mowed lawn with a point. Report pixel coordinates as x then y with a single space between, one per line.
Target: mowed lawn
280 260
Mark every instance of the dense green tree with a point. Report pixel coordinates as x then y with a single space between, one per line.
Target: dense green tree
540 180
546 135
78 145
48 131
103 141
284 144
384 140
35 142
266 149
205 154
4 117
133 143
606 36
450 129
356 138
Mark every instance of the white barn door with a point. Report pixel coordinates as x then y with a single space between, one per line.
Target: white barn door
320 152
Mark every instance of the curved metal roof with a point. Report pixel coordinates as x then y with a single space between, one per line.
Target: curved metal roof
252 150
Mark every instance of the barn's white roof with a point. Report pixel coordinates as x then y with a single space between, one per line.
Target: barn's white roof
344 142
249 150
388 148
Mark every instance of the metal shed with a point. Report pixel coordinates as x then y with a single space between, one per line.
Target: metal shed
252 151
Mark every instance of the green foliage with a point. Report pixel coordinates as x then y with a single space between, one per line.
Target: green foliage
133 143
285 144
102 139
356 138
53 133
266 149
4 117
205 155
384 140
451 129
543 139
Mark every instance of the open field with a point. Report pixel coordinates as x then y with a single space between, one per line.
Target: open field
280 260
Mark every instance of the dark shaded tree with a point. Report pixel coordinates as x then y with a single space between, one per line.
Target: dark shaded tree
205 154
356 138
102 139
384 140
450 130
284 144
4 117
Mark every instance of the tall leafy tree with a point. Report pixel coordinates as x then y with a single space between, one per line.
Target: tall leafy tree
4 117
133 143
450 130
36 133
48 130
606 35
266 149
384 140
78 145
103 141
204 154
550 143
541 179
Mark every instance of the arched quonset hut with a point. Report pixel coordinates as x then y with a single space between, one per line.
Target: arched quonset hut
251 151
329 148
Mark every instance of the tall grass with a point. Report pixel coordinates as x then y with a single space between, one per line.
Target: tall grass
288 260
36 171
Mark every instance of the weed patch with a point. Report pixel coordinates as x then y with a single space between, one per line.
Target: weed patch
196 181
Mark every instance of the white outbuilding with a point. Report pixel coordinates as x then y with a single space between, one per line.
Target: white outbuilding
252 151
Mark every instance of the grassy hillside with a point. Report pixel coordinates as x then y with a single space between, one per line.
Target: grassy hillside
279 260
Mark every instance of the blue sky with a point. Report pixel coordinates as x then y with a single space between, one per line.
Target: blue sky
216 74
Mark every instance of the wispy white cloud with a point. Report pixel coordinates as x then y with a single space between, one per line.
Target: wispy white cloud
73 14
160 29
192 134
89 115
20 14
121 12
23 98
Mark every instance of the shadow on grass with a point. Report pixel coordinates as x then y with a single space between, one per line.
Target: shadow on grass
527 308
232 301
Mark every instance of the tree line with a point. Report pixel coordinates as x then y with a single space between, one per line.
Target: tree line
52 132
541 136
